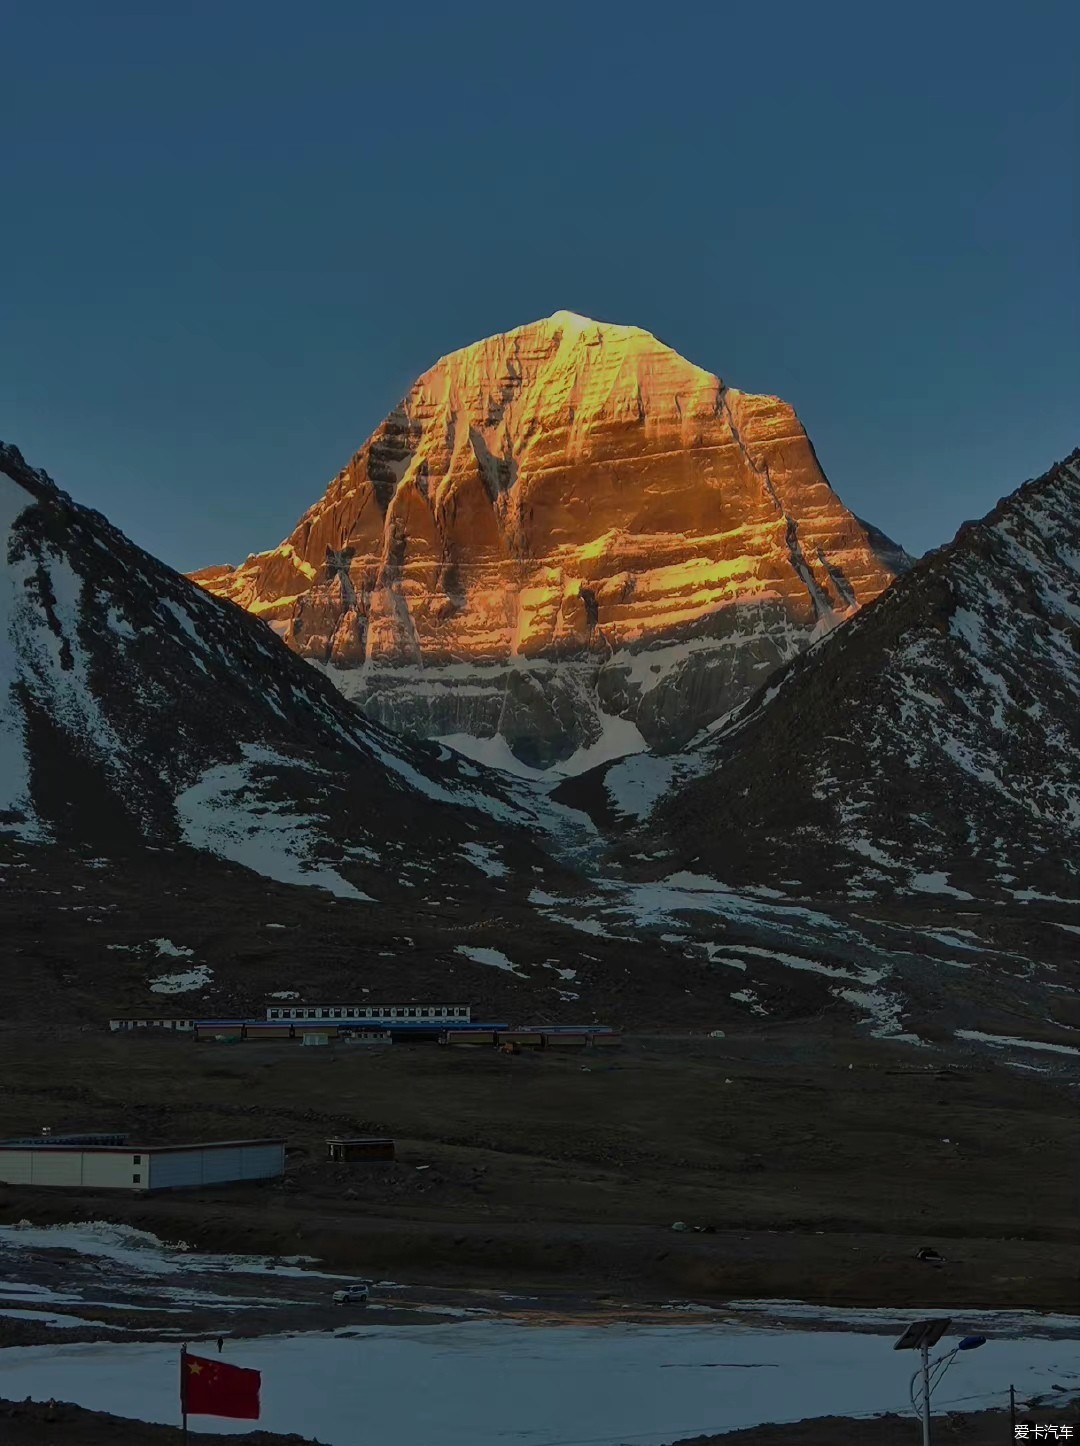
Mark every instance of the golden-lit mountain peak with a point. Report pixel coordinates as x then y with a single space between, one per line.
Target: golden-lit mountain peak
521 382
544 505
571 318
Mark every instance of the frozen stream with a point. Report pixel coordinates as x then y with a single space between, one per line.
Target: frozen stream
492 1383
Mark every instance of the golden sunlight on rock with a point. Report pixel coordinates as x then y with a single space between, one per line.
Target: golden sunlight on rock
569 518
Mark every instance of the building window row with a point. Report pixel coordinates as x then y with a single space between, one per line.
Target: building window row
361 1012
152 1023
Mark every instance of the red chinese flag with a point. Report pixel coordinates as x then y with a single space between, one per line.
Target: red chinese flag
212 1388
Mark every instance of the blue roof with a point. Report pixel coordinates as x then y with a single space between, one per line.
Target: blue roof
568 1028
379 1024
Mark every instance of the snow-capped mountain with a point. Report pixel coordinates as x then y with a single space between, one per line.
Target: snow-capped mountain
566 543
926 753
879 840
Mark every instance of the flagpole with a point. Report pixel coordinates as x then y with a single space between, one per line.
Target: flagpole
183 1392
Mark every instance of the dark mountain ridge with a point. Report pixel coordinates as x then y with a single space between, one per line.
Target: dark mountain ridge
125 669
929 746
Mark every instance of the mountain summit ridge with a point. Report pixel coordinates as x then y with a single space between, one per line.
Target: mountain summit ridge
517 549
566 331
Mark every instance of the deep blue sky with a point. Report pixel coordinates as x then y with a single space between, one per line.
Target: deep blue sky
235 233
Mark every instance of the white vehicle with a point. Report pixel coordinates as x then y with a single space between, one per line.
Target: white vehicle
353 1294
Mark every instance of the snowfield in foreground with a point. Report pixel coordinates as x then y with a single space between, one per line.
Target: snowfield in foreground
487 1382
138 1253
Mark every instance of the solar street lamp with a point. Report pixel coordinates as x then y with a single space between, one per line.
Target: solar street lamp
920 1336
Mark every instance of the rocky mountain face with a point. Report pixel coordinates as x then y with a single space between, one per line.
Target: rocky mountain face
566 543
928 752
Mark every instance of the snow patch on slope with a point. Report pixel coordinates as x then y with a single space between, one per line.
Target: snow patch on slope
635 785
14 763
1004 1041
187 983
493 957
228 812
936 883
168 950
618 738
483 857
491 752
43 655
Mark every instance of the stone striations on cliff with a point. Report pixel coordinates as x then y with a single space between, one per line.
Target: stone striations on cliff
569 542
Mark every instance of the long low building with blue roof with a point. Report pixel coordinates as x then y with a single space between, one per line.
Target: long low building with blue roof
382 1013
371 1024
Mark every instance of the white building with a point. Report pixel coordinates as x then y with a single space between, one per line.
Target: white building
373 1013
108 1162
149 1022
368 1036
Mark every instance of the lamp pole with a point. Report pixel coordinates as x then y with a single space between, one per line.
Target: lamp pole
925 1394
920 1336
183 1392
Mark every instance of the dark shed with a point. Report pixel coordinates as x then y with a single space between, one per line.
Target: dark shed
356 1151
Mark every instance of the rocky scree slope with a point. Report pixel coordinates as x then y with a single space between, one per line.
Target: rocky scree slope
928 752
567 543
